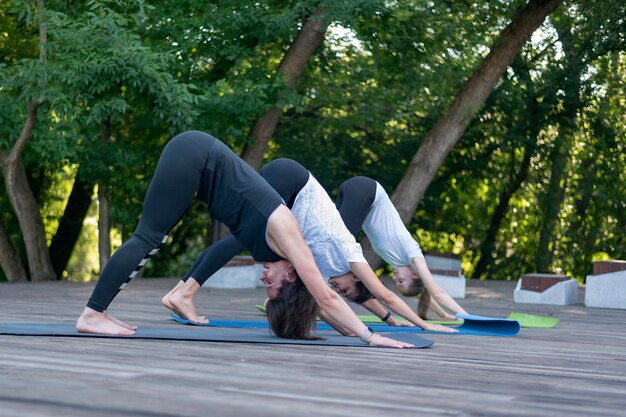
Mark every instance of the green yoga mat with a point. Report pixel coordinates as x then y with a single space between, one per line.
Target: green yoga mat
532 321
529 321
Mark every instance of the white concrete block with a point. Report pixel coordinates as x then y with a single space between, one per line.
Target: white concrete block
454 286
562 294
606 290
245 276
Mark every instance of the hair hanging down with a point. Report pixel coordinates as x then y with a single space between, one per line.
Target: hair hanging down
293 313
362 294
416 288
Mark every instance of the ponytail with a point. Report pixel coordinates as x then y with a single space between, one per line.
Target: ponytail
416 288
423 303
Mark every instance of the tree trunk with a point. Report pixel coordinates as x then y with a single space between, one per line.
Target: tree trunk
104 226
560 154
24 203
449 129
589 246
585 232
16 181
488 245
445 134
291 68
27 212
104 208
70 224
10 260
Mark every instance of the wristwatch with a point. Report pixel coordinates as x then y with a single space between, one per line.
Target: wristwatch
386 317
368 333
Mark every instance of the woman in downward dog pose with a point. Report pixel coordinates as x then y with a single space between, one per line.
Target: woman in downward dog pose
334 249
196 164
364 204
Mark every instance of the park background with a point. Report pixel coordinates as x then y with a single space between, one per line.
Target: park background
498 127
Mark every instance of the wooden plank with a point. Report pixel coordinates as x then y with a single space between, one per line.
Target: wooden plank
575 369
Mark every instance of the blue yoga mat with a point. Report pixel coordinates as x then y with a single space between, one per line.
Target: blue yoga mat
201 335
472 325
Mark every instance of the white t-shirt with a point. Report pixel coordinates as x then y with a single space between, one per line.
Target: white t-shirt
333 246
389 237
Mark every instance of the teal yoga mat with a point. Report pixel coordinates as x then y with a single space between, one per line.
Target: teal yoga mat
472 325
201 334
374 319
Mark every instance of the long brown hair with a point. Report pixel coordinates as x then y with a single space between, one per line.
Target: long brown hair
293 313
416 288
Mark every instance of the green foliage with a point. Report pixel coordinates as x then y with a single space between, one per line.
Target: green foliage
396 72
16 40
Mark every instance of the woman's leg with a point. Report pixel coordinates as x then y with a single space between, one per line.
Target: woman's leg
180 298
174 184
287 177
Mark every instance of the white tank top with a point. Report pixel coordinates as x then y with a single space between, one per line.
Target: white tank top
333 246
389 237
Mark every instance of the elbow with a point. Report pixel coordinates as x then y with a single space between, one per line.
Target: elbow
328 299
438 295
387 298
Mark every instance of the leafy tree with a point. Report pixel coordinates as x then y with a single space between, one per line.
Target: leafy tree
30 81
98 72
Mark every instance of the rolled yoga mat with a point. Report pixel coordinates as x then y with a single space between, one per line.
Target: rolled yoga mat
203 335
472 325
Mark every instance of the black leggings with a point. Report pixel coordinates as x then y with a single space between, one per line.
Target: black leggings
287 177
192 162
354 201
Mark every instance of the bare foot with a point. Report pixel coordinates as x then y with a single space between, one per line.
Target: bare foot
119 322
166 298
180 301
172 291
92 321
167 303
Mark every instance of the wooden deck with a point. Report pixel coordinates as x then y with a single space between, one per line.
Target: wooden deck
575 369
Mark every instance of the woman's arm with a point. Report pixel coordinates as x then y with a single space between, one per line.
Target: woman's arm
286 240
377 308
334 324
436 292
443 314
391 300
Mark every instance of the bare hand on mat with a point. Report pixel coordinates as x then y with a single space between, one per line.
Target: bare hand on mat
378 340
439 328
392 321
